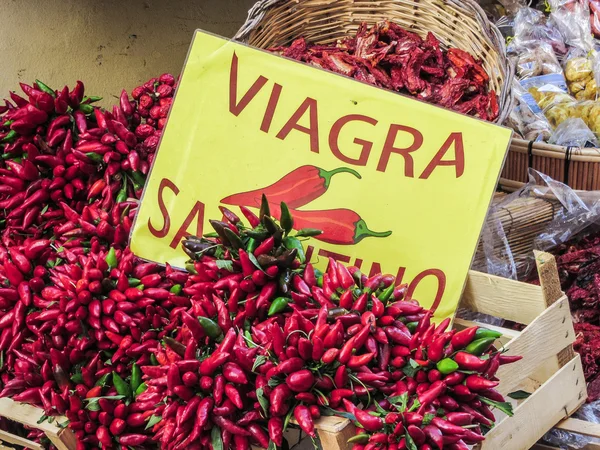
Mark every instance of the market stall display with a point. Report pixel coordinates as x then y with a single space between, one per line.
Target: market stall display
249 340
121 347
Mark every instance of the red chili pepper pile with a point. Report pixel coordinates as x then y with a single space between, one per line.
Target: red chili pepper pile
391 57
579 271
224 355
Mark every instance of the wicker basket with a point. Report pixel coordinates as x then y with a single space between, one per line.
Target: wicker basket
578 168
461 24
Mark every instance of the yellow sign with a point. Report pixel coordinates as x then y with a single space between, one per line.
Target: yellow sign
398 186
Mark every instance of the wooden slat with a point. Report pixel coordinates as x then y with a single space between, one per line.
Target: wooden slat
547 335
550 284
558 398
5 437
489 294
580 427
333 432
27 415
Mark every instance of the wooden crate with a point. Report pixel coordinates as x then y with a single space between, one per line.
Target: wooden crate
550 370
62 438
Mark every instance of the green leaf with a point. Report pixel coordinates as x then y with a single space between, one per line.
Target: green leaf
427 418
93 406
411 368
77 378
224 264
410 444
399 401
141 389
379 408
288 417
264 403
272 446
153 421
64 424
43 211
254 261
505 407
259 361
94 157
103 380
215 437
518 395
121 386
416 405
1 359
335 412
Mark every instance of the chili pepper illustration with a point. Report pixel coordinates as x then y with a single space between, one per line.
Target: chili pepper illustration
296 189
340 226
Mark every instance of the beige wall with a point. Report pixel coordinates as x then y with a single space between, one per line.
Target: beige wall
108 44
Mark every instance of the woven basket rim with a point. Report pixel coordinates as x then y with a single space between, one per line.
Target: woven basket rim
589 154
488 32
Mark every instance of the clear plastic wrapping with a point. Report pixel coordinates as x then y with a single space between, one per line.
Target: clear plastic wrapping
501 255
528 124
573 133
573 21
590 412
532 25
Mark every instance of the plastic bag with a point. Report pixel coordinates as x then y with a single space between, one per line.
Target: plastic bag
573 133
532 25
522 119
570 214
559 111
535 59
572 19
590 412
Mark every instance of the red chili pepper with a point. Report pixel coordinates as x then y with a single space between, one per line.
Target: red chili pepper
300 381
305 421
279 395
234 373
234 395
505 359
463 338
435 352
132 439
297 188
368 422
275 427
250 216
434 391
447 427
356 362
467 361
265 247
228 425
213 362
477 383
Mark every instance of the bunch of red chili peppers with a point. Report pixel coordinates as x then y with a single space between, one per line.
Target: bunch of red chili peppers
77 311
251 338
391 57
